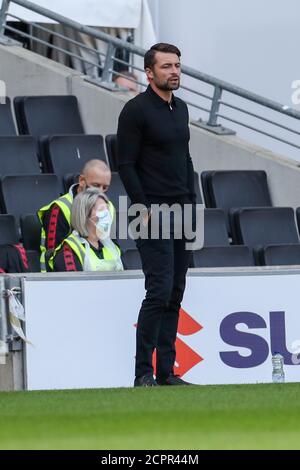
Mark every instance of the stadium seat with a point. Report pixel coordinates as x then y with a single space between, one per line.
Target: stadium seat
223 256
111 150
60 115
298 218
30 231
8 230
26 194
7 125
18 155
234 189
69 179
205 188
64 154
197 188
123 238
131 259
259 227
33 261
215 230
280 255
117 189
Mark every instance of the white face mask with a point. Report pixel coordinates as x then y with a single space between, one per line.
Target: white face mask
103 226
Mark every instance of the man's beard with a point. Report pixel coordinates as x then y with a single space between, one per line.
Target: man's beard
167 85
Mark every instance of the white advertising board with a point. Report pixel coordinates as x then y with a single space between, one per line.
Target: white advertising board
105 13
83 330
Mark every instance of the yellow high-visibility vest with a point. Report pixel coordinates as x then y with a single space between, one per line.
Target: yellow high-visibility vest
111 258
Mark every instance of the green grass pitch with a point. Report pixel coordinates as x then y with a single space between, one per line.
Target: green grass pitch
174 418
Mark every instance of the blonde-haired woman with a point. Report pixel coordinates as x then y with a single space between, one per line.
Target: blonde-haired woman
89 246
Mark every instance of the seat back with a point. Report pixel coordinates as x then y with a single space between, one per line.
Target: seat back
8 230
33 258
60 115
64 154
18 155
31 231
115 190
111 150
197 188
7 125
131 259
220 257
256 227
242 188
26 194
215 229
280 255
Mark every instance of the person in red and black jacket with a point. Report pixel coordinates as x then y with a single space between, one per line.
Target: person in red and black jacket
13 259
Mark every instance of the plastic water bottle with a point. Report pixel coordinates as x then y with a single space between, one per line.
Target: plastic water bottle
278 372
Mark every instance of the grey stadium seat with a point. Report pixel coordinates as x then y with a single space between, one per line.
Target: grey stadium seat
31 231
197 188
115 190
33 261
60 115
223 256
234 189
111 150
280 255
18 155
215 230
8 230
7 125
64 154
259 227
26 194
131 259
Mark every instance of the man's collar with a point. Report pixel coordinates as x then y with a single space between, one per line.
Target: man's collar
158 100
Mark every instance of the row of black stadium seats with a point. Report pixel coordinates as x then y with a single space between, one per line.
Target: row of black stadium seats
210 257
25 194
230 256
222 189
280 249
264 236
267 236
60 116
65 154
61 155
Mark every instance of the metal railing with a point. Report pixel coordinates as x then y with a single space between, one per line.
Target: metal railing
106 63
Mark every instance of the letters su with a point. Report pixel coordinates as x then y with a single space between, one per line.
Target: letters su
256 344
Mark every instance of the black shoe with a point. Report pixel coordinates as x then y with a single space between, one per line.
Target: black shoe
173 380
145 381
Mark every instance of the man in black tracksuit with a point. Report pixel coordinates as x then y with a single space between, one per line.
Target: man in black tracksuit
155 167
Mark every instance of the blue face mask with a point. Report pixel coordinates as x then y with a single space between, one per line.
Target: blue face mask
103 226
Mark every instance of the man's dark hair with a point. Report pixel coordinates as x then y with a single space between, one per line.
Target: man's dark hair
149 59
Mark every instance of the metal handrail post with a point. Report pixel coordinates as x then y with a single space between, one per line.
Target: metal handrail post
3 13
215 106
109 62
